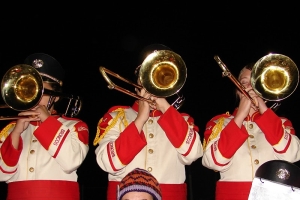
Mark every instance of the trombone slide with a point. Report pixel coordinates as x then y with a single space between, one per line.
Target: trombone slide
227 73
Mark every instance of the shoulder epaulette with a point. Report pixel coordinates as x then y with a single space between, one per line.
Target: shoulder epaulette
102 132
114 108
217 128
4 131
225 115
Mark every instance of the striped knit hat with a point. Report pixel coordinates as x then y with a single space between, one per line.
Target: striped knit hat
139 180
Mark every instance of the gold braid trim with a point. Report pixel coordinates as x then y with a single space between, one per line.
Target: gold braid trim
4 132
121 114
215 131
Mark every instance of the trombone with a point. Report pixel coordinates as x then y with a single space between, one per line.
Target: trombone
162 74
22 89
274 77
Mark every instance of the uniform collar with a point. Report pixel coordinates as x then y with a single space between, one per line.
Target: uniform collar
153 113
37 123
248 118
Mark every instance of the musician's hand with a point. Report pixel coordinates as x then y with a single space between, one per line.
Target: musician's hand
22 123
43 112
144 109
245 106
261 105
245 103
160 104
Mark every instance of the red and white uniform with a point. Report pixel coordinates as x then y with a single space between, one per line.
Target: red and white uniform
238 152
44 166
167 143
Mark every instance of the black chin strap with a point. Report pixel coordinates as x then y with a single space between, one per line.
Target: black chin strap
275 106
50 102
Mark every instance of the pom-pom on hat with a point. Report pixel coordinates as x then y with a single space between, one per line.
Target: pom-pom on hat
139 180
47 66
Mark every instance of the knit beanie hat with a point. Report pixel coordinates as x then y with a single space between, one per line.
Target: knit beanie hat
139 180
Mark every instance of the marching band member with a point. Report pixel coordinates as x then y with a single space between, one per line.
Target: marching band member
236 145
153 137
40 153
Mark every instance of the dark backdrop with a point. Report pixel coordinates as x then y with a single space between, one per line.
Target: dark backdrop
84 36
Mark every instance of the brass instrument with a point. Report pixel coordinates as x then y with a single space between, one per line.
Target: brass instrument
274 77
162 74
22 89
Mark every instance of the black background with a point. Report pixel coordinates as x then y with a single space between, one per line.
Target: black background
84 36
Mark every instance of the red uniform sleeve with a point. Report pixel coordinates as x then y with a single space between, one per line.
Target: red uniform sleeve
129 143
176 128
9 154
231 137
273 131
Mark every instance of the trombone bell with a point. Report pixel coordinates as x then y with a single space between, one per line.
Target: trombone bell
164 76
22 89
26 88
275 80
21 86
274 77
163 73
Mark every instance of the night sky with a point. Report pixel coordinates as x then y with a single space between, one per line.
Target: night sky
84 37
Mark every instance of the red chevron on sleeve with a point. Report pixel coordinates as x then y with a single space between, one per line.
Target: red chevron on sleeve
209 126
104 123
190 121
83 132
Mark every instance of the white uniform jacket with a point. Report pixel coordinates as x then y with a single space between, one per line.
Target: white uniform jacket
52 150
167 143
237 153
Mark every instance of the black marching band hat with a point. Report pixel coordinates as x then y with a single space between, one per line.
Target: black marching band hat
280 171
47 66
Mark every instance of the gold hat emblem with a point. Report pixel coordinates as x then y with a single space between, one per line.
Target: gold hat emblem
283 174
37 63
